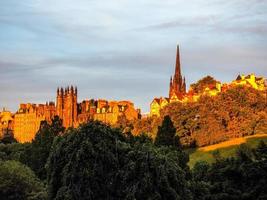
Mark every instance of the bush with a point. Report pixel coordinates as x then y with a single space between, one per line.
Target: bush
17 181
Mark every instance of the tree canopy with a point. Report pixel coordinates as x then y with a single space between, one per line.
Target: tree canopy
98 162
18 181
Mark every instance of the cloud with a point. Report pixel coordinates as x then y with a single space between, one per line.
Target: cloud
124 49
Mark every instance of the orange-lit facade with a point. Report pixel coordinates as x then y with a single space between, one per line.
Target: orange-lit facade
28 118
26 121
6 123
177 89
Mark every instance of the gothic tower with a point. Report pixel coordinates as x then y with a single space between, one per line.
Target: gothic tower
177 82
67 106
59 103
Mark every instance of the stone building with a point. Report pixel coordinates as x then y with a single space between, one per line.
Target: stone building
66 106
250 80
177 89
28 118
6 123
73 114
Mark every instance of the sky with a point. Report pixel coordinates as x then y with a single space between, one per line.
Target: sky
124 49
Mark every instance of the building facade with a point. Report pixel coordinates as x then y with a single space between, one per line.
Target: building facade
28 118
6 123
177 88
26 121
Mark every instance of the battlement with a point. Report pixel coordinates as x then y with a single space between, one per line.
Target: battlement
67 91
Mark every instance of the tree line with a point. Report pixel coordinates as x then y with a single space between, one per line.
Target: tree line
237 112
96 161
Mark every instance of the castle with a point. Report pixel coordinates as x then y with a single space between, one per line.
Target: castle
177 88
25 123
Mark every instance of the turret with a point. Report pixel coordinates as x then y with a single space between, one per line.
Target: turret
60 102
184 86
71 90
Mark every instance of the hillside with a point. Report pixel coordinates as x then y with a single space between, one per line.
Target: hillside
225 149
235 113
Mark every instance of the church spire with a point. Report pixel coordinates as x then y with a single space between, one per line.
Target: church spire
178 65
177 83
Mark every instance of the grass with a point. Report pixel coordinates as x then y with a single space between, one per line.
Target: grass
206 153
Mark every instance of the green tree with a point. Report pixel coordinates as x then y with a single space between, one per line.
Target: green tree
167 134
244 153
36 154
96 161
17 181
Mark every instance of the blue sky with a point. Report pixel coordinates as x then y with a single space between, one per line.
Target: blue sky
124 49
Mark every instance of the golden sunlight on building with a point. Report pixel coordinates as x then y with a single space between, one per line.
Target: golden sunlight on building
250 80
28 118
26 121
6 123
177 89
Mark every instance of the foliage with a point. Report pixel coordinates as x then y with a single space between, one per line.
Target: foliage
197 155
237 112
243 177
166 135
13 151
147 125
8 139
201 85
98 162
36 154
18 182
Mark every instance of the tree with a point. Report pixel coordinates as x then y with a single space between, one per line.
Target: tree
96 161
244 153
36 154
167 134
201 85
8 137
17 181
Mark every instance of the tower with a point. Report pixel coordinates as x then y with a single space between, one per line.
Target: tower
59 102
66 106
177 83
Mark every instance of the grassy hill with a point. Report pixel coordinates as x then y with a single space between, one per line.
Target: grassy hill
226 149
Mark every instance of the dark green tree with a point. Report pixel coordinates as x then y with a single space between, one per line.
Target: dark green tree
36 154
166 135
96 161
261 152
18 181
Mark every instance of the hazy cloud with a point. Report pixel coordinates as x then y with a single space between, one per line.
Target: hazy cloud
124 49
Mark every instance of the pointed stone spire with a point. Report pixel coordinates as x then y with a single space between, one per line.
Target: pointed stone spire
178 65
